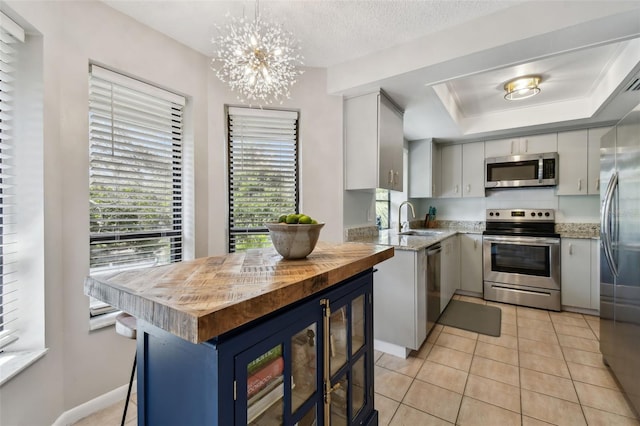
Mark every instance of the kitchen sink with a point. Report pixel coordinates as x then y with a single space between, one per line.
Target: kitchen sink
421 233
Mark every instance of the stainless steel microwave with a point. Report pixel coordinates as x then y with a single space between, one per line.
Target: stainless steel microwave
516 171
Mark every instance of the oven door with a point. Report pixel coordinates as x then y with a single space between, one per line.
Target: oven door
528 261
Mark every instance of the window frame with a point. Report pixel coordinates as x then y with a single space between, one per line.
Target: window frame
147 153
233 231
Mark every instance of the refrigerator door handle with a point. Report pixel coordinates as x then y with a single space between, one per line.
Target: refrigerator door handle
605 224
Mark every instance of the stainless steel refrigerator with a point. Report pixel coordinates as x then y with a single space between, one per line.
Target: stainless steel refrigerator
620 253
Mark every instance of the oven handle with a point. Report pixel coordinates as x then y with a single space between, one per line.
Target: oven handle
523 240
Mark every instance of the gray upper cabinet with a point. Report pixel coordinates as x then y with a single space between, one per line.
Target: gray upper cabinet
373 143
579 168
536 144
424 169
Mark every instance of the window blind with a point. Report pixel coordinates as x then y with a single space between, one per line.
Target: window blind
263 173
135 176
10 37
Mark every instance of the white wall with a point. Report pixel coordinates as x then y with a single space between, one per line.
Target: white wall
81 365
320 144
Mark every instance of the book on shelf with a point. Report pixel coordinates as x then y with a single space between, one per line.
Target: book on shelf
261 378
264 359
265 398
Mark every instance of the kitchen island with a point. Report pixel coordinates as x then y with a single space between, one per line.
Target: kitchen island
250 338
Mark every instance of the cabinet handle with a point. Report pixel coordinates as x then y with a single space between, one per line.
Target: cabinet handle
571 249
526 145
598 184
512 147
456 190
395 178
579 184
390 177
475 244
468 187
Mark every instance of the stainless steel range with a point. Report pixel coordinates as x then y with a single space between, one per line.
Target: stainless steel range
521 257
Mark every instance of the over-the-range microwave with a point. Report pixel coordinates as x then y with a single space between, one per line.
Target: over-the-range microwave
516 171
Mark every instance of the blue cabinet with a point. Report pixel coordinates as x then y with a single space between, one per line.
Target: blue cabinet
310 363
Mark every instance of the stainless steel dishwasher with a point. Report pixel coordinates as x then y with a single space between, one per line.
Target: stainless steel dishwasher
433 285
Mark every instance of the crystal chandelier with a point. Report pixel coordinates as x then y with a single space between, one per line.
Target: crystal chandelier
257 59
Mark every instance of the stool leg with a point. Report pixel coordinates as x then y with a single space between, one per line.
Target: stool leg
126 403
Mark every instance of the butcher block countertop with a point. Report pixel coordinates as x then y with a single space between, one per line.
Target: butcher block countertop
206 297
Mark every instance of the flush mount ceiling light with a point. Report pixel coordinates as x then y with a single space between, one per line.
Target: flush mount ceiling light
522 88
257 59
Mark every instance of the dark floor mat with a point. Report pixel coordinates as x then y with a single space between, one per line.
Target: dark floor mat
472 317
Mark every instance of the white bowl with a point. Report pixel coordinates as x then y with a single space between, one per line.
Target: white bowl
294 241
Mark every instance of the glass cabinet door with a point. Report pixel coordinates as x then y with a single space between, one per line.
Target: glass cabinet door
304 366
347 340
265 388
280 385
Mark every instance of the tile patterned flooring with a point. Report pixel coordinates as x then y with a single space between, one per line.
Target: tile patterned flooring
545 368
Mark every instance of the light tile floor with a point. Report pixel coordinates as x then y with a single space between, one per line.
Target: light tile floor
545 368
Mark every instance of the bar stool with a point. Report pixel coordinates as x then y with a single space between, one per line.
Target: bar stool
126 326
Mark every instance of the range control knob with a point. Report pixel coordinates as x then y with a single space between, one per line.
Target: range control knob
533 214
497 213
539 213
490 213
547 214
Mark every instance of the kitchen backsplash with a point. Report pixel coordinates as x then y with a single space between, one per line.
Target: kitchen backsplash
360 233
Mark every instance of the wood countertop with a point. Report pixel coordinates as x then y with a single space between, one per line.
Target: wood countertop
204 298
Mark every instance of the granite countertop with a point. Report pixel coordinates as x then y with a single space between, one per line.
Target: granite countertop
578 230
204 298
393 238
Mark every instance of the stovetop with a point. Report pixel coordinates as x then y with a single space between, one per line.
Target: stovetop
521 222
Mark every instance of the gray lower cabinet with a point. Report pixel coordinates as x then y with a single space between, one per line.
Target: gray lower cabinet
580 274
471 264
400 305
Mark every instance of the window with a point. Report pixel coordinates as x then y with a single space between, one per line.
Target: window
263 173
11 37
135 175
383 205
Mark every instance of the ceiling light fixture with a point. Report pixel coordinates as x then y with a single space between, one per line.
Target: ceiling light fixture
258 60
522 88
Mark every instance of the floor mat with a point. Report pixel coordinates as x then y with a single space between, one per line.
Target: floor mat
472 317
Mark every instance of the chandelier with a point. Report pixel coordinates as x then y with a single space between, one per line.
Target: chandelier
257 59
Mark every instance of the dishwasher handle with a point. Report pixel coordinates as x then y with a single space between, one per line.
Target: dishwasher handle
434 250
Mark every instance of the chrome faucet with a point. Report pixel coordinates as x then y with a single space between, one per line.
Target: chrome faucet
413 213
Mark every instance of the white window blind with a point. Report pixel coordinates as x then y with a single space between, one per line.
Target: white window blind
10 37
263 173
135 147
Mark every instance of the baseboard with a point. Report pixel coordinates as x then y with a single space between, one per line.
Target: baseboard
390 348
93 406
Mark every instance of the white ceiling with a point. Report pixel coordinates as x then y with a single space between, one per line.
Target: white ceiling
585 58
